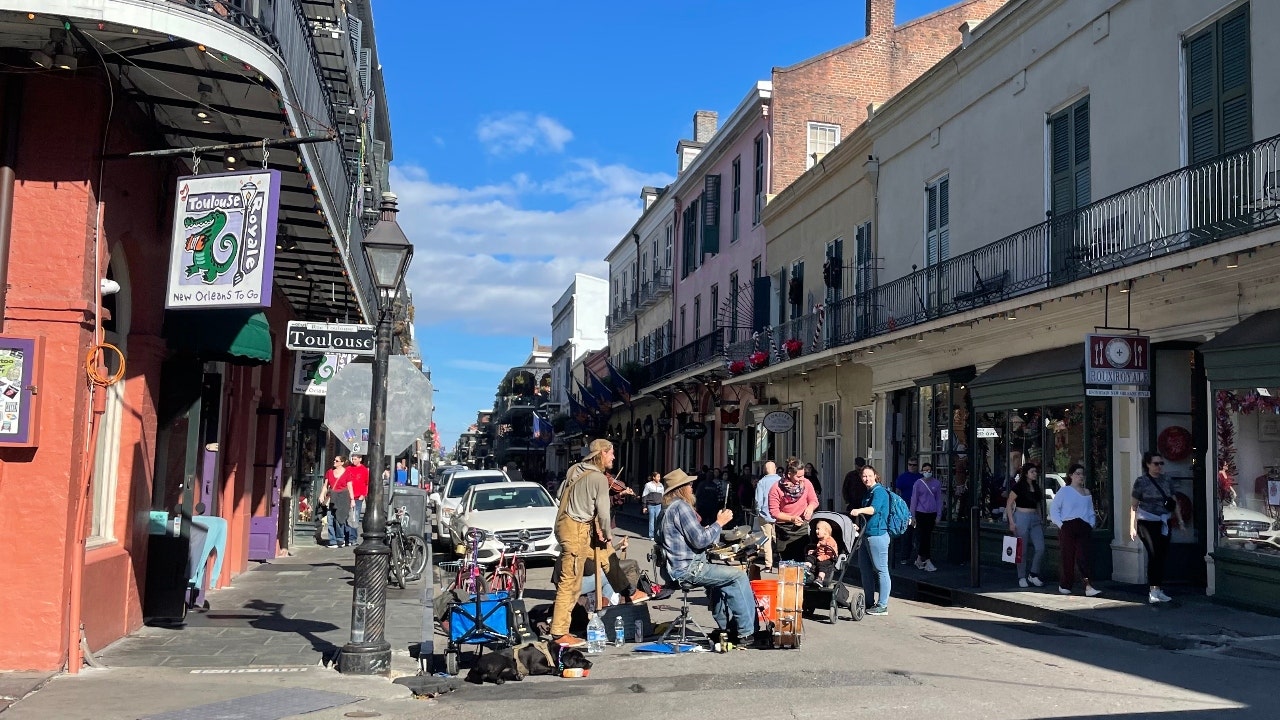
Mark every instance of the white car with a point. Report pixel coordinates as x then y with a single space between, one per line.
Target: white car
505 512
1245 525
447 495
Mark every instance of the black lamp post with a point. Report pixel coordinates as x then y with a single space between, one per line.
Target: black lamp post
387 251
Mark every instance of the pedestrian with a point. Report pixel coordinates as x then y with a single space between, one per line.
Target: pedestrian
582 528
338 489
1153 505
402 473
1072 511
903 485
767 521
926 512
1027 522
811 473
873 557
791 503
359 487
852 488
651 497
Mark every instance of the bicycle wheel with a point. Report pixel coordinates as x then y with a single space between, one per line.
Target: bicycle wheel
503 581
521 577
395 568
475 585
415 555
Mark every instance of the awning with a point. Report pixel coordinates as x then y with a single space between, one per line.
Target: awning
240 337
1048 377
1247 354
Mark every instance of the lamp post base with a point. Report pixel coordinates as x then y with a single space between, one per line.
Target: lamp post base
365 659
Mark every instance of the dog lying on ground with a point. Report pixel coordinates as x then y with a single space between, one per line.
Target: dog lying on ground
535 658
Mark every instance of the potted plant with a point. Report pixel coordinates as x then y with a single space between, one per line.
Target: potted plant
793 347
758 359
737 367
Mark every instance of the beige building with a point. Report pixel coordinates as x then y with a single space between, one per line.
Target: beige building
955 315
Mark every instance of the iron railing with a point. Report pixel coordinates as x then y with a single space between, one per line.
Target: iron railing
699 352
654 288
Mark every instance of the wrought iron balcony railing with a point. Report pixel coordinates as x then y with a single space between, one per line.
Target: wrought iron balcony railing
699 352
654 289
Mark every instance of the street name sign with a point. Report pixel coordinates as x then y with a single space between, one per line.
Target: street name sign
330 337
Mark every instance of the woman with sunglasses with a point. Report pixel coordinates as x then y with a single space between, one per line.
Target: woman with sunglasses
1153 505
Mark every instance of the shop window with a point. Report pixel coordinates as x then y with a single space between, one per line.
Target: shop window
1247 461
106 462
944 417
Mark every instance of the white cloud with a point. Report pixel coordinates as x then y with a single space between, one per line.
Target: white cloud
522 132
495 267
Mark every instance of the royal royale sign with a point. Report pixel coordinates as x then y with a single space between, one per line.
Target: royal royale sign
222 250
330 337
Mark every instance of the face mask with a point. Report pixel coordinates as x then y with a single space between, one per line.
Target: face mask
928 474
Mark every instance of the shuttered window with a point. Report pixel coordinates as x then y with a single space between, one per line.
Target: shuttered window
938 233
1070 186
1219 117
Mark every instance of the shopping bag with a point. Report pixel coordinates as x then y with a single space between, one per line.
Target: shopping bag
1012 552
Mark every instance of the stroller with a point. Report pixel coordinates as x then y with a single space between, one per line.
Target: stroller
832 592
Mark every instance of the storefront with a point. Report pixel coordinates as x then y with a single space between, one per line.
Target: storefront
1244 384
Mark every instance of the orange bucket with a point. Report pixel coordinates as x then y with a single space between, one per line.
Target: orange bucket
766 592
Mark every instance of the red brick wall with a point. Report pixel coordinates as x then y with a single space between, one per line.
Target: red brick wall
837 86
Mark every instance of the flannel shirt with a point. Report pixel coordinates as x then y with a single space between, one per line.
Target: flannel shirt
683 536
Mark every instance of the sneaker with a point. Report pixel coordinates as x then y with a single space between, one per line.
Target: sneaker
878 610
1092 591
1035 580
1154 599
1022 582
919 565
929 566
569 641
1063 591
1160 594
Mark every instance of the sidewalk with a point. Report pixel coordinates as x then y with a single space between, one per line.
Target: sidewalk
1192 621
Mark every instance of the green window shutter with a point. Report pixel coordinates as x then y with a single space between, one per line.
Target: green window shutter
1202 97
711 215
944 219
1219 88
931 226
1070 186
1080 152
1234 80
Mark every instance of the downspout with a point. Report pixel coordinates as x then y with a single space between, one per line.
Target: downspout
8 162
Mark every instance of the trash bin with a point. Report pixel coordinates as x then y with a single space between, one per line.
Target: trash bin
168 570
414 500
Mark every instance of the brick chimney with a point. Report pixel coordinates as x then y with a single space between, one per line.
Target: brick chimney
879 17
705 121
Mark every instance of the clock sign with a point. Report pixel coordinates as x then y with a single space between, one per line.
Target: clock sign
1117 360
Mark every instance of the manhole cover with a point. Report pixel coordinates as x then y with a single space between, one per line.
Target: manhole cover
957 639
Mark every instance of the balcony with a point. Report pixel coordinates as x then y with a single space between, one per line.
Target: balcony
705 349
811 331
621 315
654 289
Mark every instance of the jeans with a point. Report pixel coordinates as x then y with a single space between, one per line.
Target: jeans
873 559
654 511
358 517
1031 529
728 594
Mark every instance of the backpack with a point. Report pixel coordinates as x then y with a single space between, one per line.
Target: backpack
899 515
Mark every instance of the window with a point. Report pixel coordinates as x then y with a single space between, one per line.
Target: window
1218 88
715 307
1069 184
737 198
697 316
654 254
667 263
833 270
822 138
757 265
758 206
829 452
733 306
643 269
1247 489
938 230
689 241
795 289
106 461
682 326
710 215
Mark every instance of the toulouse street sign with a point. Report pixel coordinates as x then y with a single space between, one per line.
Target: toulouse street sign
330 337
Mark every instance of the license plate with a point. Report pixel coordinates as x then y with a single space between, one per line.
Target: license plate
1248 534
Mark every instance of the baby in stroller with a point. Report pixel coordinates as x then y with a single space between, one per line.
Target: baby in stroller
821 557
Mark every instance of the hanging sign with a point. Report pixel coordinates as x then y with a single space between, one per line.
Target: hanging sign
694 431
223 245
313 371
329 337
779 422
1117 360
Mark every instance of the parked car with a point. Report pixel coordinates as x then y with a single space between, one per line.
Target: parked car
505 512
1245 525
449 493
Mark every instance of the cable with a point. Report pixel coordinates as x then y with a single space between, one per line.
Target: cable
91 365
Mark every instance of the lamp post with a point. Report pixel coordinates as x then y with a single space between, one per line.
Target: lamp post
387 252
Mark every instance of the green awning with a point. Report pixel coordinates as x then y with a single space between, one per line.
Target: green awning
1048 377
1245 355
240 337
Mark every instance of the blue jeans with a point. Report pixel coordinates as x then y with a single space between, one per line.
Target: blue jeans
729 595
1031 529
873 559
357 515
654 511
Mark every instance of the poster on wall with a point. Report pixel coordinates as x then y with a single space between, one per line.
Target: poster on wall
313 371
222 250
20 360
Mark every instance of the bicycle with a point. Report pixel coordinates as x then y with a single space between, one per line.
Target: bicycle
408 552
509 572
469 578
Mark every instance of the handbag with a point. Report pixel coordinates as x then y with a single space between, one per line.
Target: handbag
1170 504
1012 551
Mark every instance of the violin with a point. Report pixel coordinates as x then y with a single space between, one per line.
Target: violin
617 488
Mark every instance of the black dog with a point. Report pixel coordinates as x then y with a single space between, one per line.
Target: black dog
523 660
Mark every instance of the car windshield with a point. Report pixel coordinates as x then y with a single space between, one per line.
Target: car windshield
525 497
462 484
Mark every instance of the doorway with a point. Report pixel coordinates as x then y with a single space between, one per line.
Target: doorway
264 523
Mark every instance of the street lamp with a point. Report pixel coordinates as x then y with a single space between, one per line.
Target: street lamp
387 252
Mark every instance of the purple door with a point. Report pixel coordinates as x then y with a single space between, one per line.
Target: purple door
264 526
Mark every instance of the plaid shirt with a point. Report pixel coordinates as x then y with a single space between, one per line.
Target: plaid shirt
683 537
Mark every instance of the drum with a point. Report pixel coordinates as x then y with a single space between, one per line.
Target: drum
788 626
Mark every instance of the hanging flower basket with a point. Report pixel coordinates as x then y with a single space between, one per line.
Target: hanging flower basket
758 359
737 367
793 347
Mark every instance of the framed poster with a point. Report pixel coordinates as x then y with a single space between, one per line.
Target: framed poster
21 359
1268 427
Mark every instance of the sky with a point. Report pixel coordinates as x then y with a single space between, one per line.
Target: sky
522 133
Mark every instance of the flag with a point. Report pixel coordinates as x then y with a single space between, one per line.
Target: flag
578 411
620 384
604 396
542 431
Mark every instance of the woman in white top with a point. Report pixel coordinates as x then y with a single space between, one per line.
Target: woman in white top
651 499
1072 511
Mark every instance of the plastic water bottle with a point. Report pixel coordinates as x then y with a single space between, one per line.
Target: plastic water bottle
619 632
595 635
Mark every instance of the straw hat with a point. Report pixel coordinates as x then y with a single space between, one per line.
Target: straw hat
675 480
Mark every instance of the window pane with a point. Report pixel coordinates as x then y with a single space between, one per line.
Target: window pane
1247 429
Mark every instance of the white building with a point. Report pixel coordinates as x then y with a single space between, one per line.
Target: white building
577 328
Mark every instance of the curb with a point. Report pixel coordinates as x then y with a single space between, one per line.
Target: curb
913 589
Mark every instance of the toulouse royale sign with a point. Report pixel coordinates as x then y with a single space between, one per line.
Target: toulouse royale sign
330 337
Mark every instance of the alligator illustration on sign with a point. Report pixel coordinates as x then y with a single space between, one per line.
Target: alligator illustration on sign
201 233
317 371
